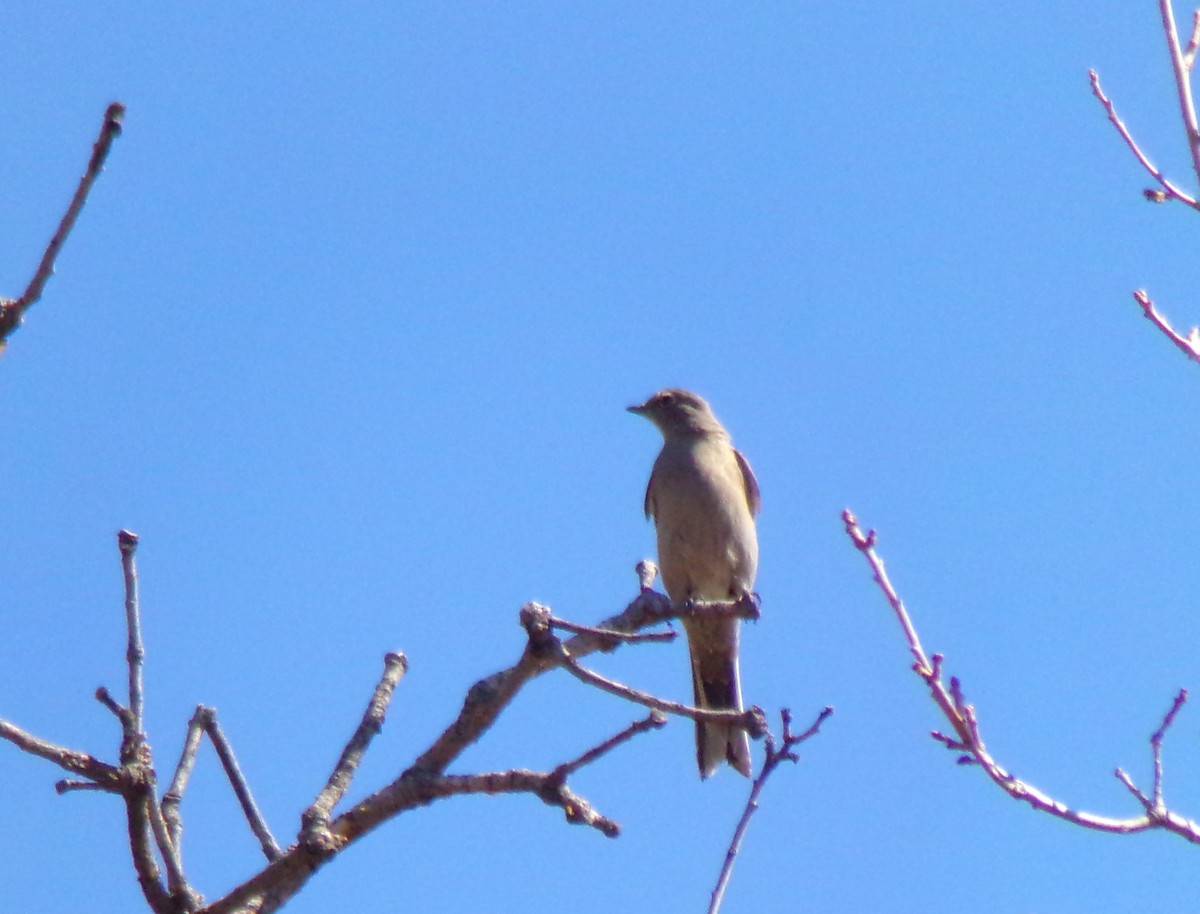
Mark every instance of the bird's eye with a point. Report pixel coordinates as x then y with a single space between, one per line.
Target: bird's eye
667 398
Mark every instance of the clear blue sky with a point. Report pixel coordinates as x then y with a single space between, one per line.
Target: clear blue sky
347 331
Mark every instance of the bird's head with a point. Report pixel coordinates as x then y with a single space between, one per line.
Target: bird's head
679 412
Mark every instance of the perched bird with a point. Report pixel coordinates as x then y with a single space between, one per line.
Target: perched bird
703 498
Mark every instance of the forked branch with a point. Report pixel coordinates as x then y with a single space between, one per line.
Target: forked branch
968 741
156 826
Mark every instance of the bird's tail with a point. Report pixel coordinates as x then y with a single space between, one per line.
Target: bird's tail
717 687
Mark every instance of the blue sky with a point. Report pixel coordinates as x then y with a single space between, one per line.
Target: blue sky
347 331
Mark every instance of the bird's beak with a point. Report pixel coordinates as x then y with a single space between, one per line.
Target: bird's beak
639 410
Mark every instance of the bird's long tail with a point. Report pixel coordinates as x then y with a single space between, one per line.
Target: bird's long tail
713 645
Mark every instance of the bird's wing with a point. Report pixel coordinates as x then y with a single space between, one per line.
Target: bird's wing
753 499
648 504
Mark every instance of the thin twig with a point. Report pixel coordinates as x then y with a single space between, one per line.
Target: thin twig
551 790
1189 346
177 883
1169 188
66 785
617 637
119 711
653 721
106 776
127 541
13 311
773 757
139 796
1156 740
538 622
1189 53
961 715
395 665
1183 83
238 781
183 771
749 720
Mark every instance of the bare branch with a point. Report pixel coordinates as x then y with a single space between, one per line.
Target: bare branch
1155 807
962 717
127 542
1170 189
119 711
653 721
1189 346
177 883
545 785
395 665
183 771
12 311
105 776
538 622
237 780
66 785
1156 743
1183 83
1189 53
615 637
269 889
787 751
749 720
489 696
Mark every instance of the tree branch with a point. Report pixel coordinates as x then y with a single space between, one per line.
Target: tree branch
1169 188
316 817
1181 66
1189 346
105 776
127 542
785 752
968 739
183 771
12 311
241 789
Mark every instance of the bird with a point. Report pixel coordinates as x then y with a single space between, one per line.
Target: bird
703 498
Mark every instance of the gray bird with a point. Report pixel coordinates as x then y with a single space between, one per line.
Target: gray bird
703 498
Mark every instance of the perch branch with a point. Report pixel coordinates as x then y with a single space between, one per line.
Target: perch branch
538 623
749 720
615 637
